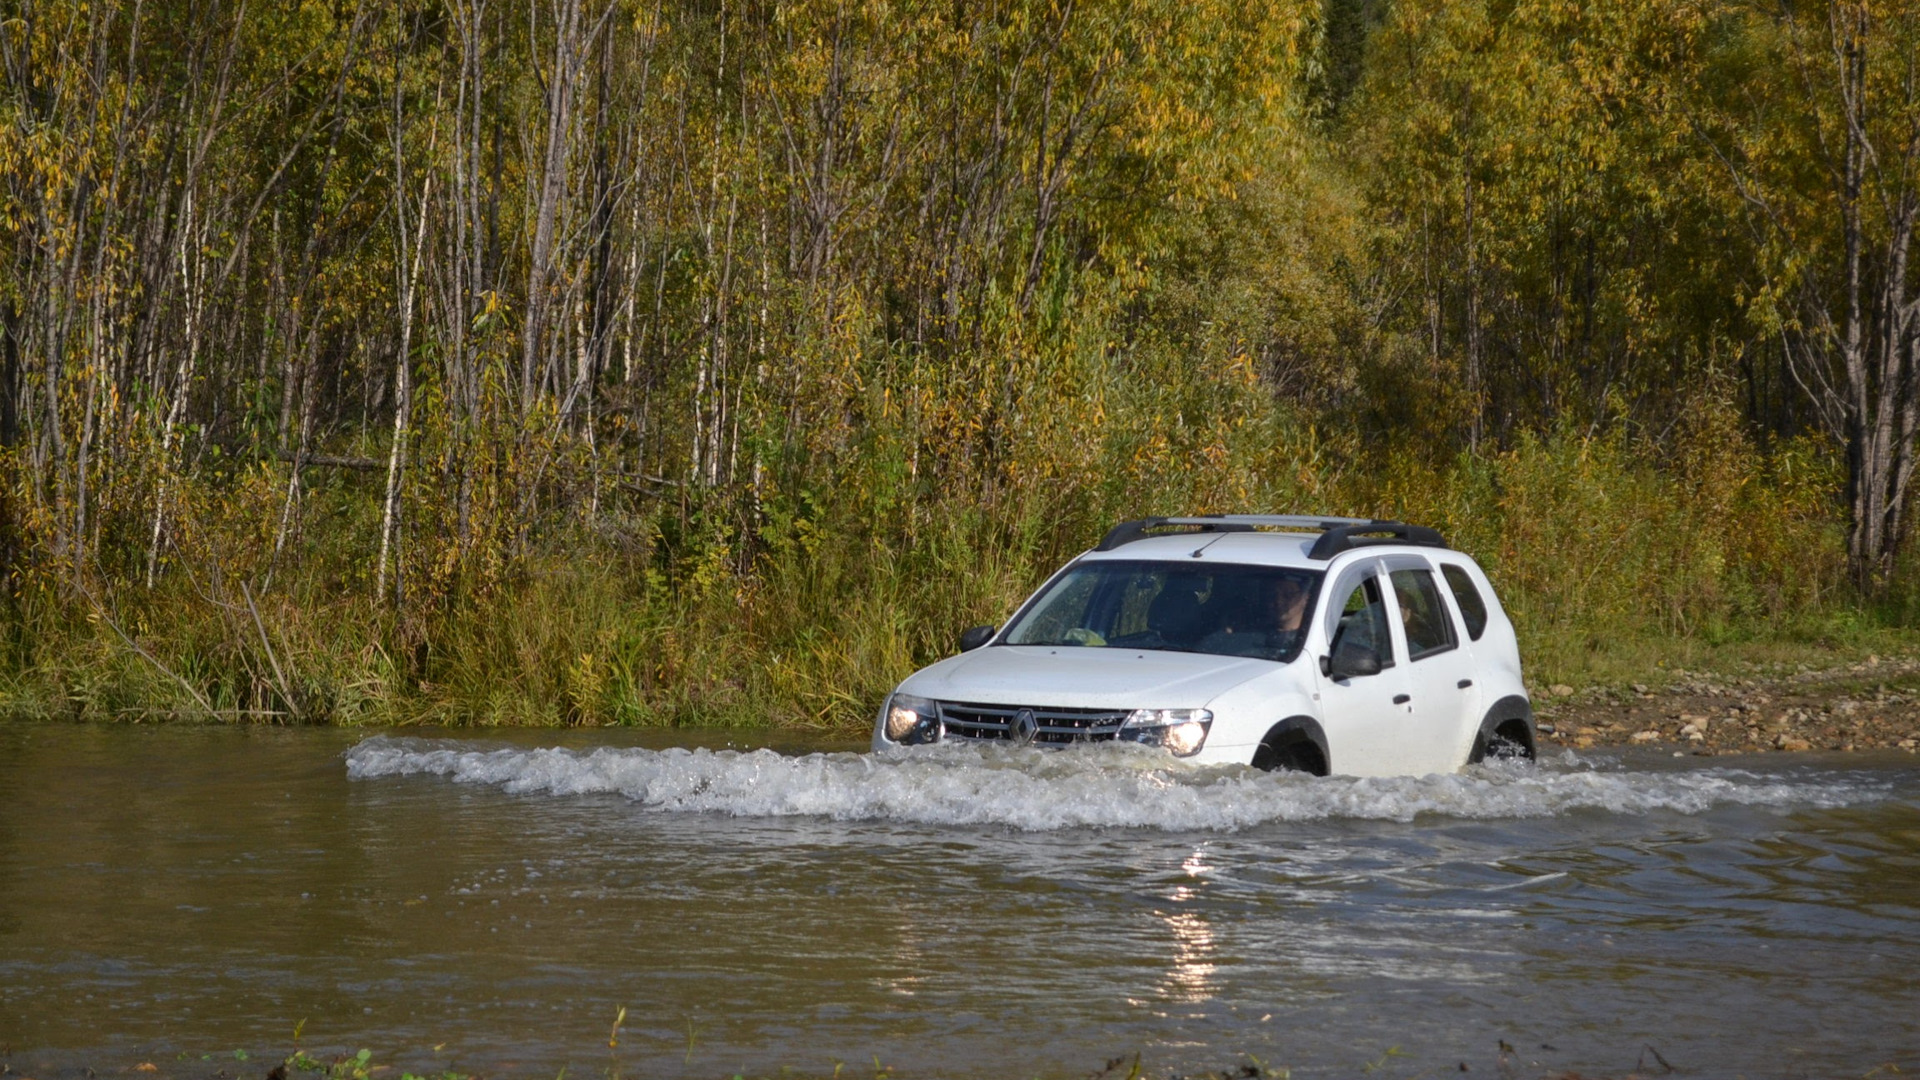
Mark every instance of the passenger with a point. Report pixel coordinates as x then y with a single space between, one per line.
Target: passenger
1413 617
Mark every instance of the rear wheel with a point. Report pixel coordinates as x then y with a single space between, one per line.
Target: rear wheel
1510 740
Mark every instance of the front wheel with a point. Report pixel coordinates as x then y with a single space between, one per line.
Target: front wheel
1296 754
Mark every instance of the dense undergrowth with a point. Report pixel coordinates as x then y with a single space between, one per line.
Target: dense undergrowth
1614 557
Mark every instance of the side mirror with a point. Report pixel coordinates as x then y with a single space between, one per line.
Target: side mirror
979 636
1350 660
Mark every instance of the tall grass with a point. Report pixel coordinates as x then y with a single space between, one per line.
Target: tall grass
1611 551
1613 554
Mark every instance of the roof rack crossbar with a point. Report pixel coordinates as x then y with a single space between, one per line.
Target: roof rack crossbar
1337 534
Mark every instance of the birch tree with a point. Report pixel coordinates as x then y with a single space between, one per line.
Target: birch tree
1825 162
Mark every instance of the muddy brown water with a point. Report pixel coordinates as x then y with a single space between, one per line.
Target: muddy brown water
177 894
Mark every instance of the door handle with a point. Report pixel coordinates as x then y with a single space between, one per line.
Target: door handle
1402 699
1464 683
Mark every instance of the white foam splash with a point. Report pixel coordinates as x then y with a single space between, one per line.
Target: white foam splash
1092 786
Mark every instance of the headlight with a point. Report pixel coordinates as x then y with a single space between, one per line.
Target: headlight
911 720
1182 731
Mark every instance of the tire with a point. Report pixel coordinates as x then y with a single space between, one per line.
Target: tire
1291 749
1508 740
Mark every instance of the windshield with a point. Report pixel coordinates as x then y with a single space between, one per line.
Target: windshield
1222 609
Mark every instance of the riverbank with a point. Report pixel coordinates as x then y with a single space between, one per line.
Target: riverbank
1870 703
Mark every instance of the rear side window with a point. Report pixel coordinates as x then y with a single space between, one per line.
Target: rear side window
1472 607
1422 613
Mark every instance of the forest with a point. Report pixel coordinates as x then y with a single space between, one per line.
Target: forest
718 361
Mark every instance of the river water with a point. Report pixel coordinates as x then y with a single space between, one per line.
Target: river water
488 903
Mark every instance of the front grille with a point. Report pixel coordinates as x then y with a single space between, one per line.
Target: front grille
1057 727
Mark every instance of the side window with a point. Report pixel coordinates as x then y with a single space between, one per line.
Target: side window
1472 608
1422 613
1363 620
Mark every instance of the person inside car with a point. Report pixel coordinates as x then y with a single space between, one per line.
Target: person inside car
1265 620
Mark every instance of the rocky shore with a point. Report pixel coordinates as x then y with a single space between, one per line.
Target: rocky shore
1873 704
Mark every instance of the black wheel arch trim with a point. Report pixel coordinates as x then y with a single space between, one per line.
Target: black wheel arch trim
1503 712
1302 727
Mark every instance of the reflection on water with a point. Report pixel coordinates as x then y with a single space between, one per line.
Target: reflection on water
1190 975
952 913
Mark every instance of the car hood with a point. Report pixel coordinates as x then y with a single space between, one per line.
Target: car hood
1084 678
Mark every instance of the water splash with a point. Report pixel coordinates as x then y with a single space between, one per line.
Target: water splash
1112 785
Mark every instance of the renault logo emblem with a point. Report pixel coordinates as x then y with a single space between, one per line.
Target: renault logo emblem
1023 728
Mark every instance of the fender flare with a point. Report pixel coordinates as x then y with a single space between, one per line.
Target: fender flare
1503 715
1295 729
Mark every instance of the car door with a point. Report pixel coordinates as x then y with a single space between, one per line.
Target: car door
1439 670
1364 715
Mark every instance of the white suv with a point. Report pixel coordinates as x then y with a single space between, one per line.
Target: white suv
1323 645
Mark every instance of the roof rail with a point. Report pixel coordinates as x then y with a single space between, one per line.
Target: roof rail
1346 537
1337 533
1128 531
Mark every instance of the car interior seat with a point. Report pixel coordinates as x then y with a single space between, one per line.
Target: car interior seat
1176 613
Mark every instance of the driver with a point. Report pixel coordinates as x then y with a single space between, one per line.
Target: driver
1289 604
1267 619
